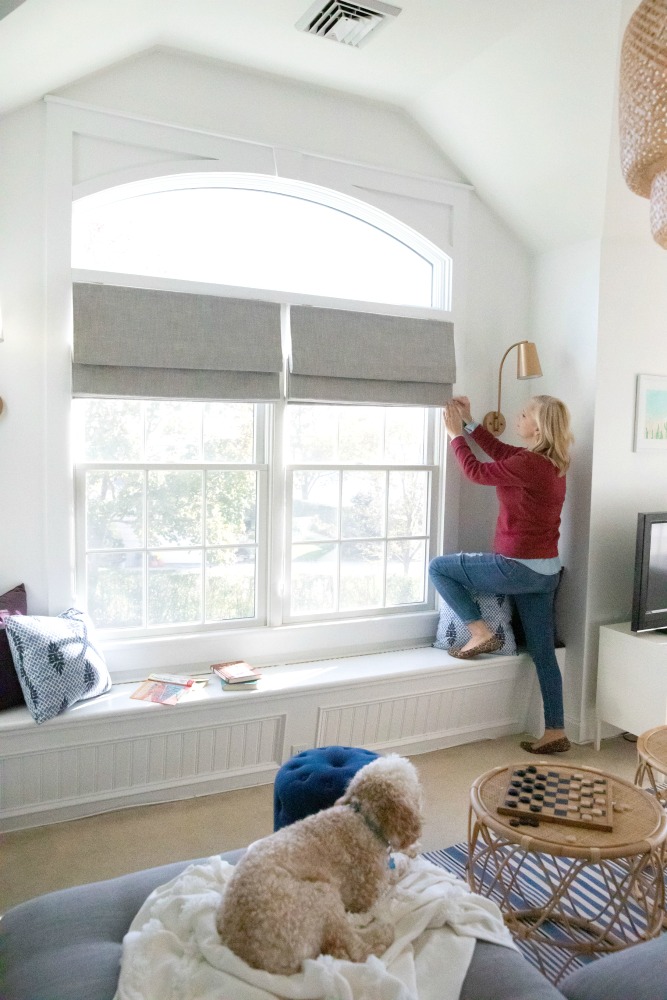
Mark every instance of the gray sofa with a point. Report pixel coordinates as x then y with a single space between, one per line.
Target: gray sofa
66 945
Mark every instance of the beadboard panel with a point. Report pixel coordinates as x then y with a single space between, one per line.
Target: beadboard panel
432 714
118 770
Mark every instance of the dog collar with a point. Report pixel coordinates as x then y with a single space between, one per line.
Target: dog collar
370 823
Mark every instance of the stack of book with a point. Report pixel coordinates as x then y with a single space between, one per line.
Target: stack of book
236 675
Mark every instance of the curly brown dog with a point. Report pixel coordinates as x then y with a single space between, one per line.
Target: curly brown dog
291 893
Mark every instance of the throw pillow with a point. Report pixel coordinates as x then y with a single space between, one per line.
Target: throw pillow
11 695
496 610
58 661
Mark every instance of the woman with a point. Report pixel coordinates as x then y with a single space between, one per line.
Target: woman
530 484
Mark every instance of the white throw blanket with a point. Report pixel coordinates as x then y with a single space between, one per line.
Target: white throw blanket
172 950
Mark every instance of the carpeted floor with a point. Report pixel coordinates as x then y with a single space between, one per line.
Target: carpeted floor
590 895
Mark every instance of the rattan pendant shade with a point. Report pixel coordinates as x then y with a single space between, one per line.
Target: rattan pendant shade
643 110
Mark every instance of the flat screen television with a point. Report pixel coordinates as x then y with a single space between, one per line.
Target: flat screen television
649 600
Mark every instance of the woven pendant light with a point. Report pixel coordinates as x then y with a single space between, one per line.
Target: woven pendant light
643 109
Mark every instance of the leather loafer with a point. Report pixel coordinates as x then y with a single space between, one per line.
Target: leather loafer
556 746
489 646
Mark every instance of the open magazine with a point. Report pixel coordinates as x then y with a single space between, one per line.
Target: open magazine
168 689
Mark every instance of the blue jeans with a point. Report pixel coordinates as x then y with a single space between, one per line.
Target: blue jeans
454 576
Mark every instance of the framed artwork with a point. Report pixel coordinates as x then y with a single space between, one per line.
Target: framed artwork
651 413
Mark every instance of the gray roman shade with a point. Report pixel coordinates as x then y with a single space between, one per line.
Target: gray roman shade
174 345
354 357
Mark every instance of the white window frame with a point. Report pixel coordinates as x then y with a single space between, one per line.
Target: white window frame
261 465
129 658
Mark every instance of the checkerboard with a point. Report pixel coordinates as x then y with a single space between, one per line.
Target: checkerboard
574 798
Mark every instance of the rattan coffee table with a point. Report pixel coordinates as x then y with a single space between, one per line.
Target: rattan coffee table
652 760
540 876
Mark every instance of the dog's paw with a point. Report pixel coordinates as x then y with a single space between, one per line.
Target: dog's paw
377 936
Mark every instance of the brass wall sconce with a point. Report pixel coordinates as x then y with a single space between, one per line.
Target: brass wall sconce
527 366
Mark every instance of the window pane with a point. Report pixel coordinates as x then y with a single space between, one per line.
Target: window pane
108 430
229 430
230 583
408 498
153 518
114 509
231 507
362 514
406 581
315 505
174 508
115 589
361 434
312 433
351 435
245 237
174 586
405 435
173 432
314 571
361 576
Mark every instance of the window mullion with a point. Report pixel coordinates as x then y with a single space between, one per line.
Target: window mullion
277 596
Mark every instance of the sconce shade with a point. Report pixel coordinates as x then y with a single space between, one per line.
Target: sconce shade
527 361
527 366
643 110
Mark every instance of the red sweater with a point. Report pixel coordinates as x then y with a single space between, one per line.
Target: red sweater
530 494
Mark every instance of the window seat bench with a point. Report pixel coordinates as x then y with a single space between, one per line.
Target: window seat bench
114 751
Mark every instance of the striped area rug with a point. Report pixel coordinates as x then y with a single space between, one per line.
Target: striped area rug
589 893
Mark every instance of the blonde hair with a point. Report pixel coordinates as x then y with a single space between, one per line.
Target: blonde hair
554 437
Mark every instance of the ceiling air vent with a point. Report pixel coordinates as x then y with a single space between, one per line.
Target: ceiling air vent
349 23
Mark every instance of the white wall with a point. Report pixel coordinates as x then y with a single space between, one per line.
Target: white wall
497 315
565 327
599 310
631 341
317 134
165 85
22 378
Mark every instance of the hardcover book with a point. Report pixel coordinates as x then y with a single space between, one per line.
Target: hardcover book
236 672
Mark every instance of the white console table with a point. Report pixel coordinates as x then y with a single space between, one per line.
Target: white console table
632 679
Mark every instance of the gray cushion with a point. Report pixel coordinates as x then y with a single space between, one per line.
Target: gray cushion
498 973
66 945
636 973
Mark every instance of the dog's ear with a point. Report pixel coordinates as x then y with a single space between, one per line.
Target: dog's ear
401 820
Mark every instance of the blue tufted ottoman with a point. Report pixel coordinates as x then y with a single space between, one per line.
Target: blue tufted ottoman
313 780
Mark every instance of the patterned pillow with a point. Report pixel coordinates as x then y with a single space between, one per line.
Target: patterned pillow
496 611
58 661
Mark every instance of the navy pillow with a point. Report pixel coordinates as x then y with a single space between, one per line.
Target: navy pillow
11 695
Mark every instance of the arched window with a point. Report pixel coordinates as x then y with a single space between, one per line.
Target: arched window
258 232
204 513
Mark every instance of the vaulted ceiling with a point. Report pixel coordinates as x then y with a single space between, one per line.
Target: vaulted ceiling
518 93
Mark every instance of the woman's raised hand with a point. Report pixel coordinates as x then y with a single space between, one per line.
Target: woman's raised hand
452 419
462 403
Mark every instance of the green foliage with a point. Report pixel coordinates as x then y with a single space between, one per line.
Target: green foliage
228 599
311 594
175 507
114 594
173 597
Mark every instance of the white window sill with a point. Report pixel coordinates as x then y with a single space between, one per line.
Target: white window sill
133 659
285 680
